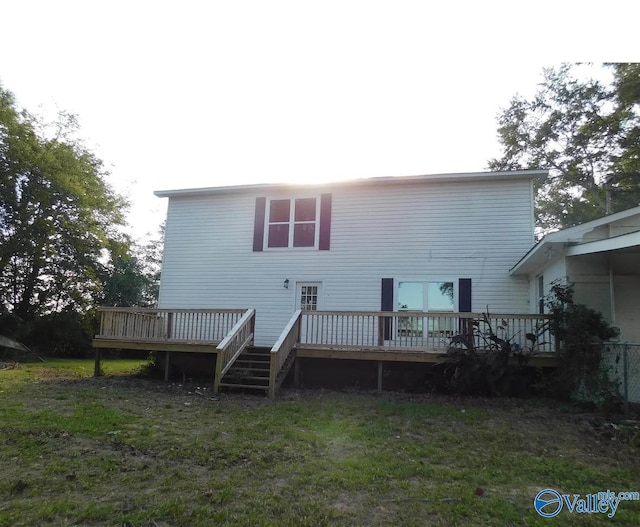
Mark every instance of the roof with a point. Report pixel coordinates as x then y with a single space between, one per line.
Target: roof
376 181
582 239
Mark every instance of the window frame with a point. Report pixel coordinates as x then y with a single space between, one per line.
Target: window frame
413 325
425 293
319 295
292 223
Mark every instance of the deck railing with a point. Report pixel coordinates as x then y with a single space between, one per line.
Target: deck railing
161 325
240 336
282 349
421 331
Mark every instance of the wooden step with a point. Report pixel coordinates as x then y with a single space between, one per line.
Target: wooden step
247 386
258 371
255 378
246 374
249 376
241 367
249 371
255 356
252 361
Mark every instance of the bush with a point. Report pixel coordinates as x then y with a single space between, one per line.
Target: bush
581 333
65 334
484 360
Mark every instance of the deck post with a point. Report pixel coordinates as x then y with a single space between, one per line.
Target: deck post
296 372
218 373
379 377
96 366
166 366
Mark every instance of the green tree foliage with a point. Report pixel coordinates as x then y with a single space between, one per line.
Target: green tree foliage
58 216
587 132
132 277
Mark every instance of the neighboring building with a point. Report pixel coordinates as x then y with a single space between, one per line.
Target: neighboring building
427 243
601 259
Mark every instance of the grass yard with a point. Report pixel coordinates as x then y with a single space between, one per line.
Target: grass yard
124 451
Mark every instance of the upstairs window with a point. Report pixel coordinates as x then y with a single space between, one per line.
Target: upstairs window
302 222
292 222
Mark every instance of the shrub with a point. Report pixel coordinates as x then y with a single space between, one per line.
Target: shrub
581 333
485 360
65 334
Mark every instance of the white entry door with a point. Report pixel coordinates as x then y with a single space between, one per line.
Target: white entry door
309 298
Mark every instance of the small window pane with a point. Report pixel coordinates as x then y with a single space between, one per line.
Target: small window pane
309 298
279 235
440 296
279 211
305 209
411 296
304 234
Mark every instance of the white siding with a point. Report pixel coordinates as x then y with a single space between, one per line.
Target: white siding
589 274
556 270
425 230
627 308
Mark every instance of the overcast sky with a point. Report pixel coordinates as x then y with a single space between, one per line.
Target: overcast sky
205 93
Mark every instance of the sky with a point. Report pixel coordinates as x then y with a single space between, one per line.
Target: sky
208 93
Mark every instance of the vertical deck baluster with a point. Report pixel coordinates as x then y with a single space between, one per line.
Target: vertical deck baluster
315 335
370 331
355 328
313 328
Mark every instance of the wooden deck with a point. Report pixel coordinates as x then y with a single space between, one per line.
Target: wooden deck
356 335
225 333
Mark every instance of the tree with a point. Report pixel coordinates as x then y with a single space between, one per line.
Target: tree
132 276
125 283
58 216
587 132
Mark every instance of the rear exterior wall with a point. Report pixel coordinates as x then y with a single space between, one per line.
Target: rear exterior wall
416 231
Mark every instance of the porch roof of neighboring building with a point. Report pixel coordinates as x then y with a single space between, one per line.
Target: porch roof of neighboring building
591 237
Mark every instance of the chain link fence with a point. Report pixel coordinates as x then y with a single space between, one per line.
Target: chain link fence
624 360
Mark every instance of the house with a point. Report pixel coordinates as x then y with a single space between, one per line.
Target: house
601 259
381 269
369 244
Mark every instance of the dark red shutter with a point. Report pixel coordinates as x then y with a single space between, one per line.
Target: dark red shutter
386 304
464 295
258 224
464 306
325 222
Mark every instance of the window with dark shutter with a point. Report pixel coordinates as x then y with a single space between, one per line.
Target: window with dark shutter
293 223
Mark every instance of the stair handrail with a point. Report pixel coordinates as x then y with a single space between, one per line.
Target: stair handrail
234 343
282 349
